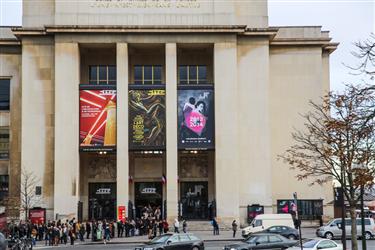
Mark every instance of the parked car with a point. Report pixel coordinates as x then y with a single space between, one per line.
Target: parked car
332 229
263 221
262 241
288 232
174 241
315 244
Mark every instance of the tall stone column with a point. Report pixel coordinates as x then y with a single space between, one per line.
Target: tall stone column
67 67
226 134
122 126
171 121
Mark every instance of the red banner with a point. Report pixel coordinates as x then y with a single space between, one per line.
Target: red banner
37 215
97 118
121 213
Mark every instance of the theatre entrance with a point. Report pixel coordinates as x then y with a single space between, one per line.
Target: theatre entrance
102 201
194 200
148 194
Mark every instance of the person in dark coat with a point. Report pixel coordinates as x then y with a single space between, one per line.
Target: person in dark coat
234 228
215 226
88 229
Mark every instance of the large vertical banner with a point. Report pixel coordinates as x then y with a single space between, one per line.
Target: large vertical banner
147 119
196 119
97 119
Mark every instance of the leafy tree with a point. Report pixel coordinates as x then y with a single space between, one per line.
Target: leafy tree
339 135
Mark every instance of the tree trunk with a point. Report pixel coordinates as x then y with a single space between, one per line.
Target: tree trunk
353 217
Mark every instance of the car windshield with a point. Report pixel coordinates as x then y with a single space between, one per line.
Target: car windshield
160 239
251 239
310 243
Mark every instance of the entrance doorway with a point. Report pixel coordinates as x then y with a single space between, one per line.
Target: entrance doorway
148 194
102 201
194 200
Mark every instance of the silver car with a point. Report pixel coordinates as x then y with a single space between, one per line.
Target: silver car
333 229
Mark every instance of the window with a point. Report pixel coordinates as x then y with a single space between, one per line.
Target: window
173 239
326 244
262 239
4 143
257 223
147 74
274 229
367 222
275 239
184 237
102 75
4 186
4 94
193 74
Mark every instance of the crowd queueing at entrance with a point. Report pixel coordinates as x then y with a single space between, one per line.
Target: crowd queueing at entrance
54 233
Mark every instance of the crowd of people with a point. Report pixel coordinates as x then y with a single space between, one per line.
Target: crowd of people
58 232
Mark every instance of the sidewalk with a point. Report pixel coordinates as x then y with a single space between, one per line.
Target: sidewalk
204 235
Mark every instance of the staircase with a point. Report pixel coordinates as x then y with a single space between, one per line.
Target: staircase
203 225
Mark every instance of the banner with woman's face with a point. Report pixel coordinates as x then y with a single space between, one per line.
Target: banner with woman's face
196 118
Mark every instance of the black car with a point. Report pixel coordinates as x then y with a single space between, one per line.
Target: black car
288 232
174 242
262 241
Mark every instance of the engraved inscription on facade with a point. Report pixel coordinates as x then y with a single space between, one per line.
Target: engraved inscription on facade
147 4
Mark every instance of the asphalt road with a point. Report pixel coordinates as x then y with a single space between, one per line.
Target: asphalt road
215 245
208 246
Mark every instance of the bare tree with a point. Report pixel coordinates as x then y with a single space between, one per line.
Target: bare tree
338 135
29 198
365 54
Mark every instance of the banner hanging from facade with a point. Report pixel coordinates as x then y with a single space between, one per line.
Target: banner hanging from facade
97 119
196 119
147 119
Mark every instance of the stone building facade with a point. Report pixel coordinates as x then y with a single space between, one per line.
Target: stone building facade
157 62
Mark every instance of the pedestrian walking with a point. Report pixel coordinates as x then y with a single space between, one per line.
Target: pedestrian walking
176 226
184 226
215 226
107 233
234 228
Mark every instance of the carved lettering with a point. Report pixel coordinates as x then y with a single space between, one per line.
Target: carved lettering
146 4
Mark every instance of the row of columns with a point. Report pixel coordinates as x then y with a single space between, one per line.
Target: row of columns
66 188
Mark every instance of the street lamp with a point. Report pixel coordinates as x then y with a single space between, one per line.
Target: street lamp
359 168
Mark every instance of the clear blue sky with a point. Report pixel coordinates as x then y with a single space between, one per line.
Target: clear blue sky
347 20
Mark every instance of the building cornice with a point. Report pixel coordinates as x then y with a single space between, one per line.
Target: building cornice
128 29
242 30
325 43
10 42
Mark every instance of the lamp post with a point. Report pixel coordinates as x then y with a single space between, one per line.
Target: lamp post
359 169
343 211
298 219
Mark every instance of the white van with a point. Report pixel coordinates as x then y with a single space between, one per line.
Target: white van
264 221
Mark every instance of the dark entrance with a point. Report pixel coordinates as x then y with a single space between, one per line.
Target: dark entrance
102 201
194 200
148 194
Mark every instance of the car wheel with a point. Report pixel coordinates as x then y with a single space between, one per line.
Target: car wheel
328 236
195 248
368 236
292 237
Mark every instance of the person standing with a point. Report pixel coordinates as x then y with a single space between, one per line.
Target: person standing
184 226
215 226
88 229
71 234
176 226
234 228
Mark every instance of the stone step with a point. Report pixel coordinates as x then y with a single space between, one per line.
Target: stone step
203 226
